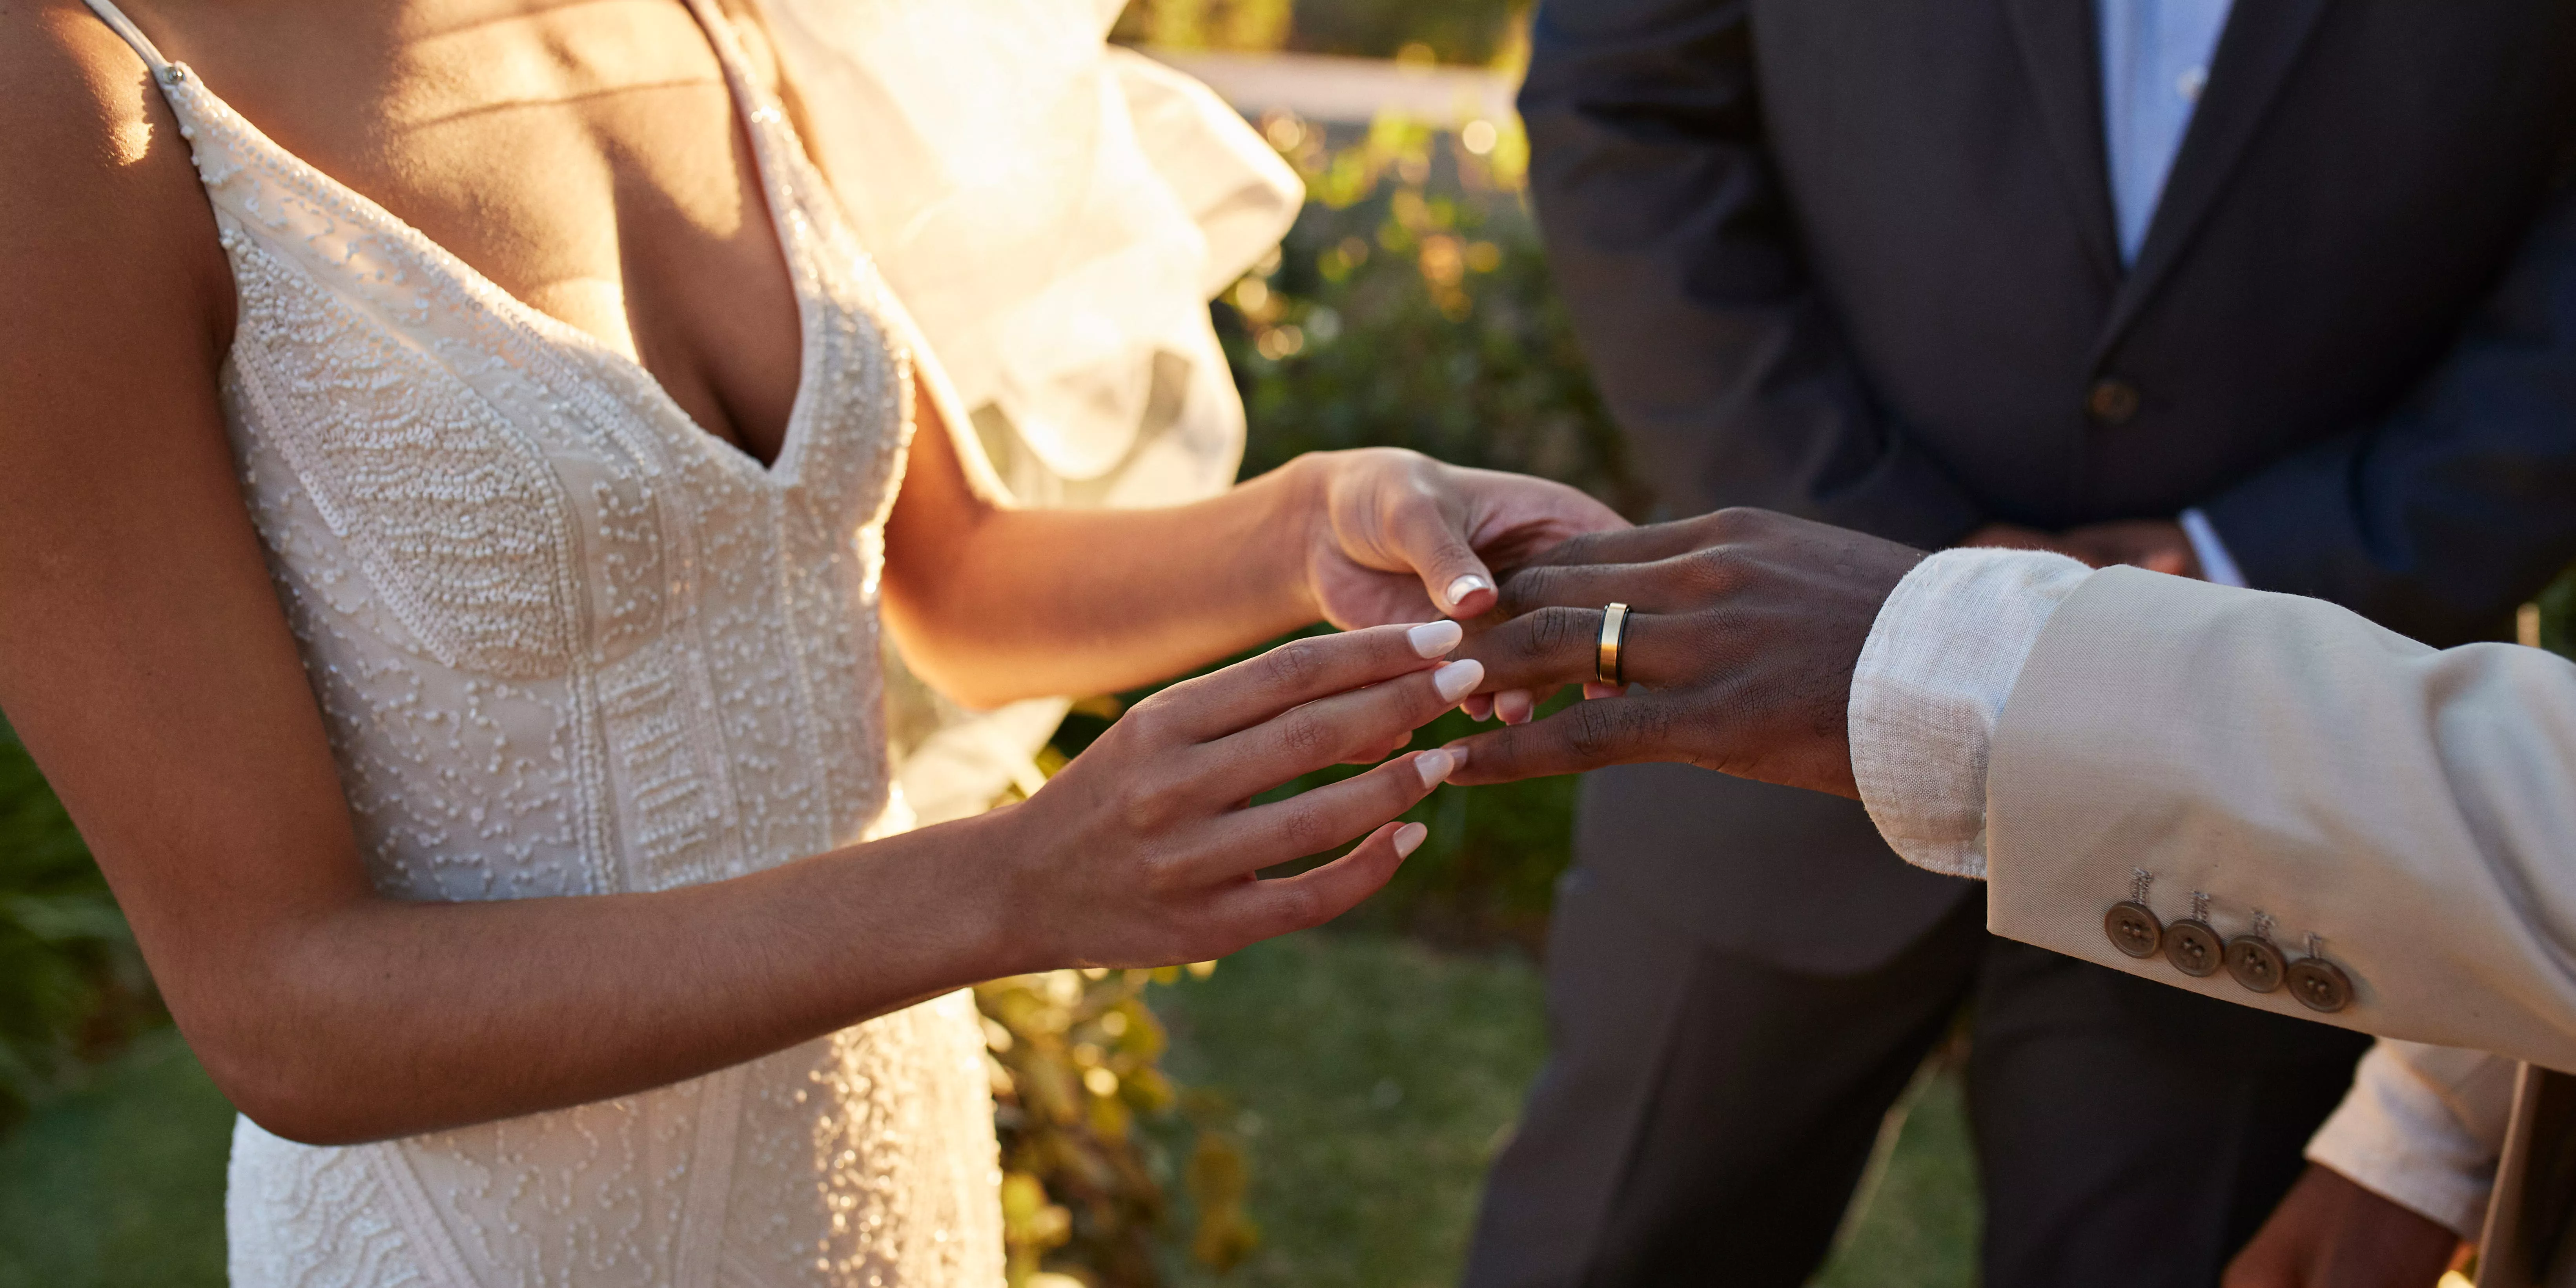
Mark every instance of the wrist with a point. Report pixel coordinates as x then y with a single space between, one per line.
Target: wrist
1298 528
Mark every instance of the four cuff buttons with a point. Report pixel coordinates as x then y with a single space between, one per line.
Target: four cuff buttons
2195 949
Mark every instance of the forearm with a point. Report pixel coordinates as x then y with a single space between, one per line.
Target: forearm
2280 767
1029 603
375 1018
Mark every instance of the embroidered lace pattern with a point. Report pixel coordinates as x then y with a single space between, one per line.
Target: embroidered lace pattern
568 643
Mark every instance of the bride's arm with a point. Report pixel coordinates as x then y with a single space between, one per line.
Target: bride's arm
146 664
994 603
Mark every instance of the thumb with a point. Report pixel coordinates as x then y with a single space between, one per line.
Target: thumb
1434 543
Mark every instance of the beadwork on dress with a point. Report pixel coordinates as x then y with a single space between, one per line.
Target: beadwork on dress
566 642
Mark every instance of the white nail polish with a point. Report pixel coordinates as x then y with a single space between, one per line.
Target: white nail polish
1408 838
1435 766
1465 586
1434 639
1456 680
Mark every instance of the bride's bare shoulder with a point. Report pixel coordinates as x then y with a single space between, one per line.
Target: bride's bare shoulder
95 183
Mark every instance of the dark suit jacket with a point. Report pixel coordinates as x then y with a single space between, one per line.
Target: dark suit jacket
1855 259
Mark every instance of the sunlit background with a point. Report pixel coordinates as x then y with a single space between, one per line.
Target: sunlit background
1316 1111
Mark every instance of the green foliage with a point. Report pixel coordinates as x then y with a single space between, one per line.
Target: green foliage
1076 1064
72 986
1449 31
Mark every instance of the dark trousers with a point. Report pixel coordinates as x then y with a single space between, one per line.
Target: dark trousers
1703 1118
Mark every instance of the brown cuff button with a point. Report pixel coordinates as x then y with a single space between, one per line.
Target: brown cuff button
2193 948
2320 985
2256 963
2134 928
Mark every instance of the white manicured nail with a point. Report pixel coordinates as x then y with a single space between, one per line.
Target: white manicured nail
1434 639
1408 838
1456 680
1435 766
1465 586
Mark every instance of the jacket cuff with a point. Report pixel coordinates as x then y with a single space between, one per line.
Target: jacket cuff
2422 1127
1932 678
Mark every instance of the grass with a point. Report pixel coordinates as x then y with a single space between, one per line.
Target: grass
120 1184
1371 1079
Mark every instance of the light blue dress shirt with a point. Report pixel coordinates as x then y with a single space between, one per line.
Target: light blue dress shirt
2155 59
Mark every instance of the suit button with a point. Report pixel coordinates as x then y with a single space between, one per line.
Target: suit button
2320 985
2255 963
2133 928
2111 401
2193 948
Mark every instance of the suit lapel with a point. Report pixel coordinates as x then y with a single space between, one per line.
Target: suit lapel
2058 53
2262 43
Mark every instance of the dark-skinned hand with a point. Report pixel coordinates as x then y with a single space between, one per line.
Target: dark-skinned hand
2157 545
1743 630
2329 1232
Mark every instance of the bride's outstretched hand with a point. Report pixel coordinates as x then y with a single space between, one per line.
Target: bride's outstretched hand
1743 632
1143 851
1395 536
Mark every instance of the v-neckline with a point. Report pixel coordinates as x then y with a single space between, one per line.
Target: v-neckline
781 470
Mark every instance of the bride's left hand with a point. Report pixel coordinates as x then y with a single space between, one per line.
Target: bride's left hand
1395 536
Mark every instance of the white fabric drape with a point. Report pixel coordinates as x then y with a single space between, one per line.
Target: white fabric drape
1055 213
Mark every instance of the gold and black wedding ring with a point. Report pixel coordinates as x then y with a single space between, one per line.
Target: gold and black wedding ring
1607 665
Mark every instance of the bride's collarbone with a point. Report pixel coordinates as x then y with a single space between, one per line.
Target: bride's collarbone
588 159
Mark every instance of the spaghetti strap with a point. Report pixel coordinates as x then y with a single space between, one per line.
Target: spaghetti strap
162 68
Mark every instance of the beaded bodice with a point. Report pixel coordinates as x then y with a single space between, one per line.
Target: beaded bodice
568 643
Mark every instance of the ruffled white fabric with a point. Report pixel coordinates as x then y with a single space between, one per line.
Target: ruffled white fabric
1055 214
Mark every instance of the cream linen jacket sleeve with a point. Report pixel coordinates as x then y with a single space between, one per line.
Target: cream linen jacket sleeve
2277 756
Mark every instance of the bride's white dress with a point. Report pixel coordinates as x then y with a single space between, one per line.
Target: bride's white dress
568 643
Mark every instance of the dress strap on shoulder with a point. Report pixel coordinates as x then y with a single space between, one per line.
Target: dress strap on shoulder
143 47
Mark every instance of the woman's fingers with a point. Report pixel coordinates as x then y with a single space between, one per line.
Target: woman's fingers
1430 536
1264 909
1315 821
1586 735
1331 730
1297 672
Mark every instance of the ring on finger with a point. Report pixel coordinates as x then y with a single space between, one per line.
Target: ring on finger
1607 665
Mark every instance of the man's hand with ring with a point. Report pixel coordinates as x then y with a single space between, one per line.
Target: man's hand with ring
1742 631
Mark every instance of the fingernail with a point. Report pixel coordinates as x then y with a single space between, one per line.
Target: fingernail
1457 756
1465 586
1433 639
1435 766
1408 838
1456 679
1512 707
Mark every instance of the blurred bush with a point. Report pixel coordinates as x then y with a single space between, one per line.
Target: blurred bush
72 986
1075 1060
1474 32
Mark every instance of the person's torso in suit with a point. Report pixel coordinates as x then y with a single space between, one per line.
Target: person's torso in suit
2356 178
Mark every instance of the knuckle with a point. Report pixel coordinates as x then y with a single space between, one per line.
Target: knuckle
1150 719
1589 729
1294 665
1552 631
1304 734
1297 906
1306 829
1530 586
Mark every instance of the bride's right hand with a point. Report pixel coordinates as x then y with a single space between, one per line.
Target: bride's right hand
1145 850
